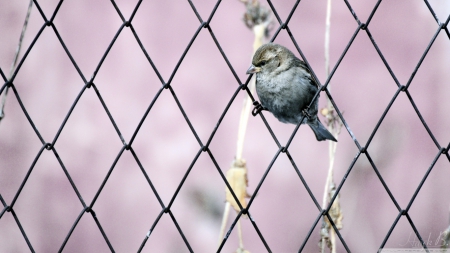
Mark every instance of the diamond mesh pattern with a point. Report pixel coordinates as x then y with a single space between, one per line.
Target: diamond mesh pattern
205 27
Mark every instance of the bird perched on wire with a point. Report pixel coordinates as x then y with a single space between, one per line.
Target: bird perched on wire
285 87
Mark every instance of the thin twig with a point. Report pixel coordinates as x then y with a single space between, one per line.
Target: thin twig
16 57
327 38
327 71
226 213
334 126
241 240
259 22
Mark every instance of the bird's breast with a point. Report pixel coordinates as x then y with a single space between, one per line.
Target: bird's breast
285 95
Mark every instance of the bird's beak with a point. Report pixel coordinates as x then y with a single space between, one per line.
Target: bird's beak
253 69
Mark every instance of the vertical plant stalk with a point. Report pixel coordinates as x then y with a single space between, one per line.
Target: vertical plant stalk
334 126
258 19
16 57
226 212
241 241
258 30
239 162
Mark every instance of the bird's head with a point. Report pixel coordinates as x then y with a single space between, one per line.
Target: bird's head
270 58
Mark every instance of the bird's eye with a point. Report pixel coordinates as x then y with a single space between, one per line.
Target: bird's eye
262 63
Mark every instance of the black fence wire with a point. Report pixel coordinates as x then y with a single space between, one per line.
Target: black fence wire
204 26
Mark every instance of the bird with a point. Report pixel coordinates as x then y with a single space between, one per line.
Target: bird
285 88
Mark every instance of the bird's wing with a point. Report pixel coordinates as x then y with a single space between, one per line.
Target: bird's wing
302 64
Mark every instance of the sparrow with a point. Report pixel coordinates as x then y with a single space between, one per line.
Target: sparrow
285 88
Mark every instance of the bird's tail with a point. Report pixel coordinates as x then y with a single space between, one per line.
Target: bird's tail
321 132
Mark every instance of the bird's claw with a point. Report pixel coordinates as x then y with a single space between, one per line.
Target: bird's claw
258 108
306 113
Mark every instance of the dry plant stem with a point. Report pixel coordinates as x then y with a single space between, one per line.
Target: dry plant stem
332 128
327 69
226 213
243 122
333 241
259 31
327 38
241 241
16 57
258 19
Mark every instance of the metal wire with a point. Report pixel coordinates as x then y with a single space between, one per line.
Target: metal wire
241 87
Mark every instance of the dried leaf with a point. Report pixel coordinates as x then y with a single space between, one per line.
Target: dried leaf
237 178
337 217
256 15
324 235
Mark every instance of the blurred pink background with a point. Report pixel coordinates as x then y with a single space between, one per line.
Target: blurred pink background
362 87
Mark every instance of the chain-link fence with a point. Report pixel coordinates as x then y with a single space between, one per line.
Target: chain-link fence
121 117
